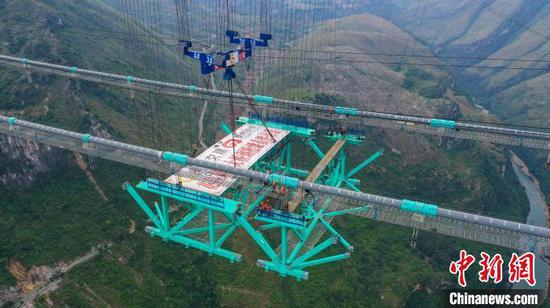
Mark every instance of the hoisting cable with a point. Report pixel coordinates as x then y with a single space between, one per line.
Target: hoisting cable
256 111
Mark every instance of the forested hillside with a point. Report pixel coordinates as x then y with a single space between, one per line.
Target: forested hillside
55 206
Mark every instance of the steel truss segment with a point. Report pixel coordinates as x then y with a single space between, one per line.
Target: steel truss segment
441 127
180 231
151 159
211 220
446 226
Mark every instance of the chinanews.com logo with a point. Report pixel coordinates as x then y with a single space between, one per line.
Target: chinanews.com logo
520 268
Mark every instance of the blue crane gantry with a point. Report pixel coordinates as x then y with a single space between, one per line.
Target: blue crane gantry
304 203
229 58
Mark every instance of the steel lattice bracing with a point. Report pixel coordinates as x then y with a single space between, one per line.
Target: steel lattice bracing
331 201
439 127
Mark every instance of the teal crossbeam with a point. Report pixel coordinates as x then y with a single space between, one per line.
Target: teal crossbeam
226 235
316 250
233 257
270 226
186 220
188 242
299 172
325 260
315 148
365 163
283 270
225 128
351 185
202 229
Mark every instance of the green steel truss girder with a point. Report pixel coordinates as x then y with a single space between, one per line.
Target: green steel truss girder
286 261
177 231
288 265
229 206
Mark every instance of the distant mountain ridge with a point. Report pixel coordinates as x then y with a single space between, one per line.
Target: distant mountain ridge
501 29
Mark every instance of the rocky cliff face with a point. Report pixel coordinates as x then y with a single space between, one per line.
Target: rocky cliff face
23 160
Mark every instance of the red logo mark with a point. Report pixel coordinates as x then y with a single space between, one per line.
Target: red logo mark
522 268
461 266
491 268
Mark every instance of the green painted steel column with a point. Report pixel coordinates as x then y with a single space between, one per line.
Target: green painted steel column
280 160
343 166
284 232
160 215
211 222
288 158
165 210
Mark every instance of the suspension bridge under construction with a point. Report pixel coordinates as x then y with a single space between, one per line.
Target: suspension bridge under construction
248 180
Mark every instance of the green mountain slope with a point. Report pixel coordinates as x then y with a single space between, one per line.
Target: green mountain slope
62 214
500 29
508 29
